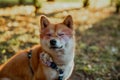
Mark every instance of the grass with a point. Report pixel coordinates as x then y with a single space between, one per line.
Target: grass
98 50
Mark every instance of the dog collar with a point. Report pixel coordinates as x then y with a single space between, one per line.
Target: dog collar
29 57
47 60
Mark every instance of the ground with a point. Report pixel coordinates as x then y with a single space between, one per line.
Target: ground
97 39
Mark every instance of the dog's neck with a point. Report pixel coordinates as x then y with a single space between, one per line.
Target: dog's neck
61 60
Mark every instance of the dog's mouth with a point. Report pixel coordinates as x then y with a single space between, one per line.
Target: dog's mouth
56 47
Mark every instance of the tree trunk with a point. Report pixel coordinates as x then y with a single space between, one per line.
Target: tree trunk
86 3
50 0
35 4
117 8
21 2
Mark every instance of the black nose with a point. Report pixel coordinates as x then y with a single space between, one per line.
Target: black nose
53 42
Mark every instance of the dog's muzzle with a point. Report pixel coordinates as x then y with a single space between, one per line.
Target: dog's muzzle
53 44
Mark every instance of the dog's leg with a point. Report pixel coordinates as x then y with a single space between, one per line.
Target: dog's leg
68 71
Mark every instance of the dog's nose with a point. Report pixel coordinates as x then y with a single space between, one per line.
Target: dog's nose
53 42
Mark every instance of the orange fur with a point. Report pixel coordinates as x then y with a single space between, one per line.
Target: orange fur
18 67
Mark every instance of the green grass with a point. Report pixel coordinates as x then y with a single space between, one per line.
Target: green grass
98 50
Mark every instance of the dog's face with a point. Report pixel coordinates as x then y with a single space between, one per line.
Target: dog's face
56 37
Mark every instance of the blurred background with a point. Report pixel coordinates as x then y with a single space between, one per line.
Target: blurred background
97 26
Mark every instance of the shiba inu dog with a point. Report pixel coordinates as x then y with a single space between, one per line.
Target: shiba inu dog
53 59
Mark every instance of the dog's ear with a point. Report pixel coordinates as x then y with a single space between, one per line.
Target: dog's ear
68 21
44 22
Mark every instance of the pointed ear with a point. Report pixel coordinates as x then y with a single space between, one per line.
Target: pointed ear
44 22
68 21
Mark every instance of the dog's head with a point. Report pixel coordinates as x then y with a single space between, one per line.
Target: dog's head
56 37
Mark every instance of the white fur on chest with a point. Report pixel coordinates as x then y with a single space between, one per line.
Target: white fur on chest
54 74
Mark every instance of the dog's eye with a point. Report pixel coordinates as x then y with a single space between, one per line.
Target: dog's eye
60 34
